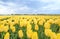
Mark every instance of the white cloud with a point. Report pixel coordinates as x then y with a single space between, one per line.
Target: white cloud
12 8
24 8
6 9
52 6
47 1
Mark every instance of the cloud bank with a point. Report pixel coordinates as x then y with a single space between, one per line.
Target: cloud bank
29 6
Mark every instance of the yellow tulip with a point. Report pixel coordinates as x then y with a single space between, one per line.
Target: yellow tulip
50 21
29 27
41 21
57 21
48 32
53 35
36 27
29 33
6 28
58 35
1 28
12 28
20 33
35 21
21 23
34 35
7 35
47 25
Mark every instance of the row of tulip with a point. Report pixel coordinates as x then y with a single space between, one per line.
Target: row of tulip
29 27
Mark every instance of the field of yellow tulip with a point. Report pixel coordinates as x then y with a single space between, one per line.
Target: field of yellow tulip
30 27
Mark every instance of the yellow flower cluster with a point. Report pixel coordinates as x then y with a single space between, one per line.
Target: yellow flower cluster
29 27
4 28
48 31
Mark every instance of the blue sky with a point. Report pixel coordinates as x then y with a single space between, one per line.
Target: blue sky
29 6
